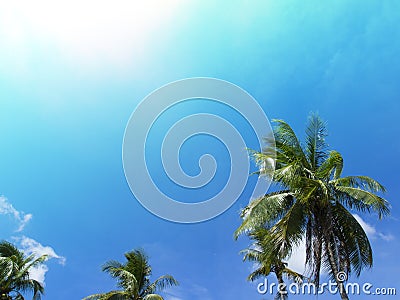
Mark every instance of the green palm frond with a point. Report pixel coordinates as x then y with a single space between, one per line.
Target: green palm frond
162 283
260 272
133 278
288 232
308 189
333 165
15 269
287 143
315 141
137 264
6 268
113 295
31 262
294 276
355 240
251 254
363 200
126 279
290 175
311 203
267 208
362 182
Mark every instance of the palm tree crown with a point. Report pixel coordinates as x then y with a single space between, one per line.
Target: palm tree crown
133 278
313 202
14 273
262 254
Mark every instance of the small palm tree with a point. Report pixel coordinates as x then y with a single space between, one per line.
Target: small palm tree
133 278
262 252
14 273
313 202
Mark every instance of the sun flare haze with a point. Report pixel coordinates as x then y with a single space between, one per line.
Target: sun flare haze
90 32
87 85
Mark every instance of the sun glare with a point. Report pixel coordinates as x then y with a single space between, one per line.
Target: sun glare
84 30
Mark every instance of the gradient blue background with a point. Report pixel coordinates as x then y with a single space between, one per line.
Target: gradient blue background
62 119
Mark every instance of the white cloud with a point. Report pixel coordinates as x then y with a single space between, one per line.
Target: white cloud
6 208
191 291
169 297
297 260
371 230
30 246
39 273
386 237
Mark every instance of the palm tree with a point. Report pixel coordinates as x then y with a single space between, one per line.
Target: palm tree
268 261
14 273
313 201
133 278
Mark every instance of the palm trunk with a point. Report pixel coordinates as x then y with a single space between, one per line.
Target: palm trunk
282 291
317 261
335 271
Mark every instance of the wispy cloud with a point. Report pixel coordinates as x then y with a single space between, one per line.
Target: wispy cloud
371 231
28 245
170 297
192 291
31 246
39 273
6 208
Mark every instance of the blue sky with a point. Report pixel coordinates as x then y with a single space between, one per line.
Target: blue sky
72 73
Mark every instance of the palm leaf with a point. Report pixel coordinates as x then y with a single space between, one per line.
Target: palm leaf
362 182
264 209
113 295
289 231
363 200
332 165
287 144
356 243
315 141
162 283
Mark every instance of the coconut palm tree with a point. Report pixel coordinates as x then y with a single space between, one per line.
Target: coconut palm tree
14 273
263 254
313 202
133 278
